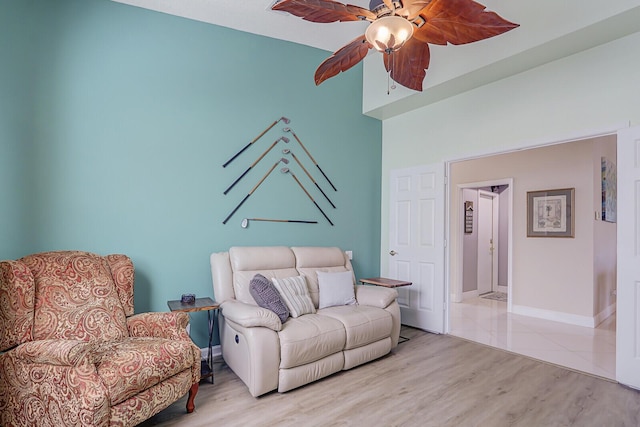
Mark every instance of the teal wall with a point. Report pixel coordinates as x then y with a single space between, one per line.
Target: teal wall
129 116
17 65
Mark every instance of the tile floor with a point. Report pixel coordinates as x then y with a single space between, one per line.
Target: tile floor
584 349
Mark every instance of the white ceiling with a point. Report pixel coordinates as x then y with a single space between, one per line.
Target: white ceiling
256 16
549 30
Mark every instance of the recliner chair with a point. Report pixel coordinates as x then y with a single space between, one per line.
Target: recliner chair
72 351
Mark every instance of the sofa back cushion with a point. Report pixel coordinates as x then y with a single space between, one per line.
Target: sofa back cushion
75 297
269 261
311 259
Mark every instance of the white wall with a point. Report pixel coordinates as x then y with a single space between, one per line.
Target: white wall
595 89
548 30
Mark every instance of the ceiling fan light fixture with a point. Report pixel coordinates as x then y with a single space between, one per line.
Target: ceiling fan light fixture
389 33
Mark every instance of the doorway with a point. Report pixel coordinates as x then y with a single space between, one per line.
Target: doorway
484 261
487 247
564 338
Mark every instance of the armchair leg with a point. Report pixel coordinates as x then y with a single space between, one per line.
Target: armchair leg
192 396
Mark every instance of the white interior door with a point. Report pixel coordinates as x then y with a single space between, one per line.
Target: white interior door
628 301
416 239
487 271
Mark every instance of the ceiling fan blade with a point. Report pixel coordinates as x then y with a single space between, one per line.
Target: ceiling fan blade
459 22
409 64
324 11
411 8
343 59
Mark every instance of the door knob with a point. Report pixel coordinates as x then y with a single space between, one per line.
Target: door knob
392 253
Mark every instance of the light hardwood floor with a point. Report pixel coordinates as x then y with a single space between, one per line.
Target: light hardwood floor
430 380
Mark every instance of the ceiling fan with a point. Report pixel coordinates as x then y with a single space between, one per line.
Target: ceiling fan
402 30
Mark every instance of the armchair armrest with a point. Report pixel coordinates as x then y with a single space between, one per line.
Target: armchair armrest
249 316
375 296
171 325
55 352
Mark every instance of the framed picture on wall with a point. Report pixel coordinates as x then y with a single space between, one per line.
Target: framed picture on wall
550 213
609 190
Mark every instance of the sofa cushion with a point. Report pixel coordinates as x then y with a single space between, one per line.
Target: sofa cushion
311 259
267 296
295 294
336 289
363 324
247 261
309 338
131 365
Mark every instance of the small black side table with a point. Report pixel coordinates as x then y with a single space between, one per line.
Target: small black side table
201 304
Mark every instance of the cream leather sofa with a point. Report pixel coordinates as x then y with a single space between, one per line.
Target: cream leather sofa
268 354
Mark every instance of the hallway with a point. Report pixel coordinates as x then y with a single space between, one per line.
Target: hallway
584 349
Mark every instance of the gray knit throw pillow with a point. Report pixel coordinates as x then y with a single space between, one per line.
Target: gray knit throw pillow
266 295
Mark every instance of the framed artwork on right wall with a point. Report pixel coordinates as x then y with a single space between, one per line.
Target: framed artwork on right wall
609 190
550 213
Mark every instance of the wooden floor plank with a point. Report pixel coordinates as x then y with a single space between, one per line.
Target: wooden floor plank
430 380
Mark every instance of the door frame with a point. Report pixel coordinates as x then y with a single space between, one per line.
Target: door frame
543 142
627 270
456 294
495 238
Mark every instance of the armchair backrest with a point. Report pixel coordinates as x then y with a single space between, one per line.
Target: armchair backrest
17 296
65 295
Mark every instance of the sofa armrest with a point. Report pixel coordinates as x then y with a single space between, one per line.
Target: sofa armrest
55 352
375 296
250 316
171 325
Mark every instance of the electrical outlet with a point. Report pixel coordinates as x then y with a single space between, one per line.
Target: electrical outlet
349 254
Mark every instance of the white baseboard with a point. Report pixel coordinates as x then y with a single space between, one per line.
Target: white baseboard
216 351
556 316
604 314
456 297
470 294
503 289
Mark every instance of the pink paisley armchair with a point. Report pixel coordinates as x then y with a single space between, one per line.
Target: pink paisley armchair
72 353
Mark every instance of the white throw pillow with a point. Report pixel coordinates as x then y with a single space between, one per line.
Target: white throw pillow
336 289
295 294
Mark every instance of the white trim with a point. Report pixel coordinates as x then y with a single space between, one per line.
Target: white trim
503 289
448 296
495 221
556 316
604 314
544 142
470 294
